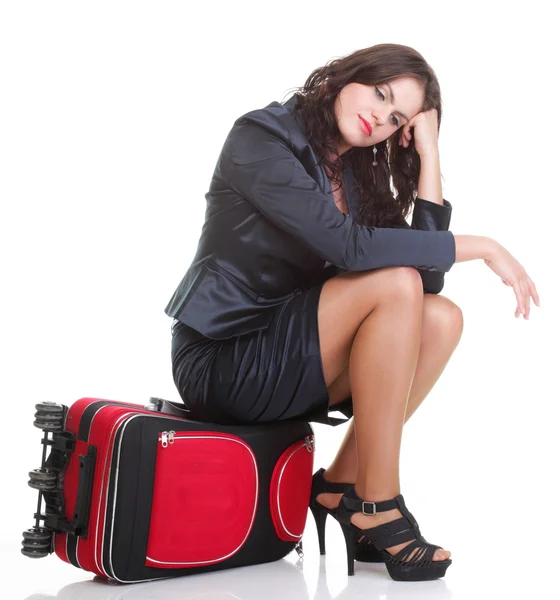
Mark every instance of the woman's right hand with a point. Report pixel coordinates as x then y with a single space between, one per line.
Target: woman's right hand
514 275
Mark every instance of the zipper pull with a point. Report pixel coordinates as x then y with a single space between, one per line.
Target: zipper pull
171 437
164 435
310 443
299 549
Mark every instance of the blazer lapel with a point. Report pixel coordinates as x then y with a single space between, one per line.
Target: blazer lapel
298 131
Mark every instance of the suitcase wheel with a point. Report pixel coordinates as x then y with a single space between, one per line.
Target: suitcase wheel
36 542
42 479
49 408
49 416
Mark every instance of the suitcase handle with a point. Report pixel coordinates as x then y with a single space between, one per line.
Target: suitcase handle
80 521
167 407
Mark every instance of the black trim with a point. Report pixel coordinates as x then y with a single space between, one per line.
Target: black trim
72 549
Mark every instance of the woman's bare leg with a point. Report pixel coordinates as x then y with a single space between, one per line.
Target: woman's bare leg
442 326
382 362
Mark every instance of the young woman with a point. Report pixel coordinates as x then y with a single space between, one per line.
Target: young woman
309 291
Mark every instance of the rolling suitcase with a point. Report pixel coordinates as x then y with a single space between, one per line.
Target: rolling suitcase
135 493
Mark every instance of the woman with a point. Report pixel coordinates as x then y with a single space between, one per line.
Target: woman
309 291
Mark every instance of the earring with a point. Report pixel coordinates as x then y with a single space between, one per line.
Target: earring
374 151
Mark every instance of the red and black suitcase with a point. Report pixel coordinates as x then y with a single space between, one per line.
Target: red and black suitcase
135 493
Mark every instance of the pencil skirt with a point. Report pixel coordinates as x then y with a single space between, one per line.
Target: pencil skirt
265 375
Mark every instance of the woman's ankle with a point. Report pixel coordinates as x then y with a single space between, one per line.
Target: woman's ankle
375 493
335 476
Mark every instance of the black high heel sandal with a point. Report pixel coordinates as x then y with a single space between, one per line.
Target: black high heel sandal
421 567
364 550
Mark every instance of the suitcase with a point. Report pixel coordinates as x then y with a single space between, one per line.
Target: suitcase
135 493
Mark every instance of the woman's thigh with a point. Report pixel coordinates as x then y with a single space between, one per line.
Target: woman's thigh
347 299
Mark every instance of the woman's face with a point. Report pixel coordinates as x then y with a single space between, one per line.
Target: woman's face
386 112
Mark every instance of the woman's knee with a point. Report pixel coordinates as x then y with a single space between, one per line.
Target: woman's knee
444 315
403 282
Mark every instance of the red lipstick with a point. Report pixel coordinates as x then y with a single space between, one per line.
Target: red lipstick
366 127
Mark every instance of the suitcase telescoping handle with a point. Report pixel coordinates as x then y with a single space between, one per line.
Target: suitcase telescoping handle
167 407
80 520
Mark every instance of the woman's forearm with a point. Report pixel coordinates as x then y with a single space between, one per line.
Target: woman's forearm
471 247
429 184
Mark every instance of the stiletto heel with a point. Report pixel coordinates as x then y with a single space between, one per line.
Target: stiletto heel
364 550
414 562
320 520
350 538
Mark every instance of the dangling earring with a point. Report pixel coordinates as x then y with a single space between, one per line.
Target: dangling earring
374 151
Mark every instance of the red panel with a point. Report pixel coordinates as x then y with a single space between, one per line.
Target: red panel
104 426
71 475
290 490
101 435
204 501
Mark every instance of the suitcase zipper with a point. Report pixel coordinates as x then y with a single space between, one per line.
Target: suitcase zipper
167 437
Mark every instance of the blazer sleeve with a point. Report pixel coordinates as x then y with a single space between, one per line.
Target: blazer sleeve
261 167
430 216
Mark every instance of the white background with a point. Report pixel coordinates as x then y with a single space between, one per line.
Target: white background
112 116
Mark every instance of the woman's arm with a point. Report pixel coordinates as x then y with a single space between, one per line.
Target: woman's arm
467 247
259 164
429 181
471 247
429 216
431 212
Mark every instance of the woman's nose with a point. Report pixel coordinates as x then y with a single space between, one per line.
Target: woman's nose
380 118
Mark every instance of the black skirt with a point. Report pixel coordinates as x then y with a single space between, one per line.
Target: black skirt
267 375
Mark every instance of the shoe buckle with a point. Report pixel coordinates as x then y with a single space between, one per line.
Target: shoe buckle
372 508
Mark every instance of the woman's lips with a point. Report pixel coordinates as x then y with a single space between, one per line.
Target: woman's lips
365 126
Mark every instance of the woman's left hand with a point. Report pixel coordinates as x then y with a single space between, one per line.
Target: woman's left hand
425 132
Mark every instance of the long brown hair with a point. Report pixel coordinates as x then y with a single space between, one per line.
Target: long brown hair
369 66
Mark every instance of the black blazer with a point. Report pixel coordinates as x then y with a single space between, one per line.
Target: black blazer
272 229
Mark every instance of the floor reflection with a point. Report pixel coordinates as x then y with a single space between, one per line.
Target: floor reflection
372 581
279 580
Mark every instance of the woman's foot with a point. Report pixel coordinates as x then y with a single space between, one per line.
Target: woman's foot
366 521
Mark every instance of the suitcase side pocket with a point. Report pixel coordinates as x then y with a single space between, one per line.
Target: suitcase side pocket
290 489
204 499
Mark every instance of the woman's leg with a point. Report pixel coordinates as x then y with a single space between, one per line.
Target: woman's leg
384 351
442 326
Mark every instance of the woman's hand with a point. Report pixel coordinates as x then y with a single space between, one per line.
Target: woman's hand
513 274
425 132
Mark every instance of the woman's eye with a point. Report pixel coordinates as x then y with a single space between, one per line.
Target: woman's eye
396 121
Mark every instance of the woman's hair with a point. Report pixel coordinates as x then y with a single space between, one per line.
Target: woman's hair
370 66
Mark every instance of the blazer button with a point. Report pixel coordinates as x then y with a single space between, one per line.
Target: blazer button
298 291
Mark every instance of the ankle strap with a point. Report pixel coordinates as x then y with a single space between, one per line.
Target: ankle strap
354 503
